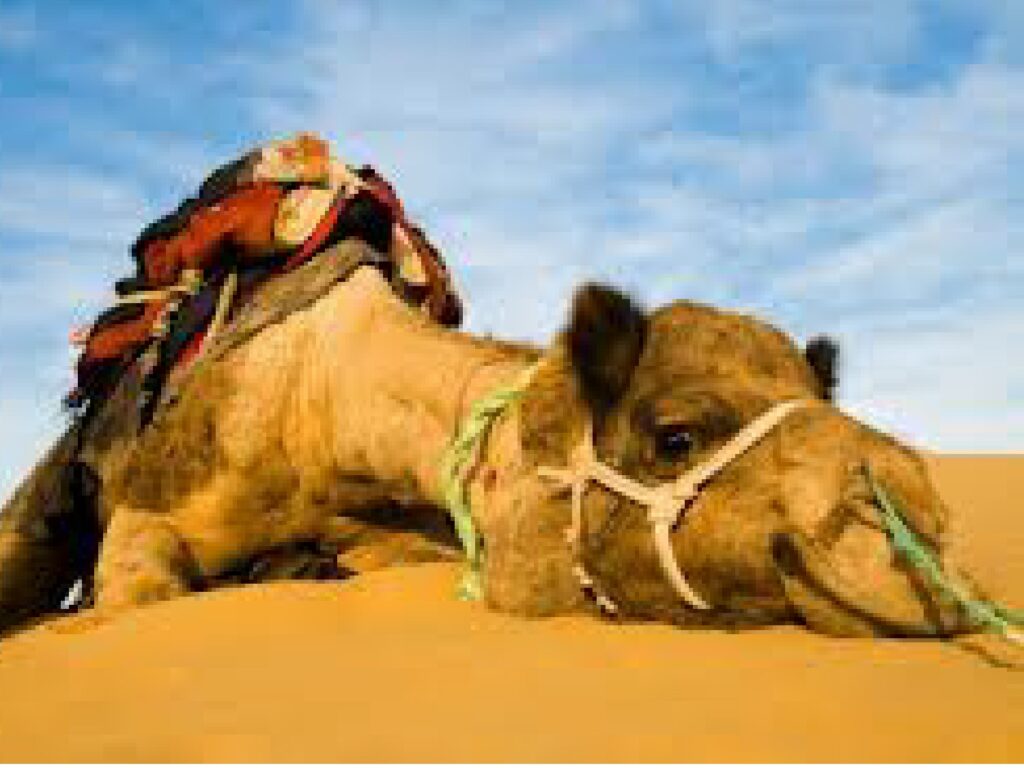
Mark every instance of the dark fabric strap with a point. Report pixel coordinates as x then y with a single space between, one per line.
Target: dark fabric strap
276 299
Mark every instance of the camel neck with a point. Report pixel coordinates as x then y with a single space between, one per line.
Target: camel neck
473 376
398 386
413 382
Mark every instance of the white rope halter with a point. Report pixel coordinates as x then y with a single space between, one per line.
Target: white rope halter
665 503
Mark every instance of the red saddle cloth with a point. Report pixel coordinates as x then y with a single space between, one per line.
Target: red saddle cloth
243 222
238 230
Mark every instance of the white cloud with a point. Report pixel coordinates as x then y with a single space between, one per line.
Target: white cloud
76 205
539 153
870 200
23 441
937 142
967 240
946 380
841 33
454 106
80 223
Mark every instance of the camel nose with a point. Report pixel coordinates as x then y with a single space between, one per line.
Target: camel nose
822 591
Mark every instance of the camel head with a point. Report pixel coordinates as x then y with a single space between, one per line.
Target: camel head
787 531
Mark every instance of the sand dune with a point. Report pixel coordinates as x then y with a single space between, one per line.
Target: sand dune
391 667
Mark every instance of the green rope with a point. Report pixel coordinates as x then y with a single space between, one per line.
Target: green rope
981 613
456 464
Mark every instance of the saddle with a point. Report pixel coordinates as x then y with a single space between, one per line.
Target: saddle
252 220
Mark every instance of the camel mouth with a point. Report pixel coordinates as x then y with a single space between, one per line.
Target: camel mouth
827 603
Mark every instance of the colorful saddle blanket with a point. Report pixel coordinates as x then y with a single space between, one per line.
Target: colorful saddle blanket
256 218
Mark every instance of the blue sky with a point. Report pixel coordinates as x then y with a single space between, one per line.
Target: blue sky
852 168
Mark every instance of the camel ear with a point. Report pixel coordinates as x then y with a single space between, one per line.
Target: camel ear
606 335
822 355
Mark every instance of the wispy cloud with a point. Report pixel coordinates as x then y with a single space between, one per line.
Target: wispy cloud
825 165
55 272
947 379
848 167
93 207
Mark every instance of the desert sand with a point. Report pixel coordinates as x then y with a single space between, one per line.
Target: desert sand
390 667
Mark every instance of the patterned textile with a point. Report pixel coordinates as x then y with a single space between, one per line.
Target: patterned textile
305 207
274 208
299 213
243 221
303 158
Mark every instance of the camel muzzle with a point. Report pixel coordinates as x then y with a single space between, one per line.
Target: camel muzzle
833 605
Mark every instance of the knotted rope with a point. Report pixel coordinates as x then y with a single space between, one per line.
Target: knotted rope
463 452
459 460
666 503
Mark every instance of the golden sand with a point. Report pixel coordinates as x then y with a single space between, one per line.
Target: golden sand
389 667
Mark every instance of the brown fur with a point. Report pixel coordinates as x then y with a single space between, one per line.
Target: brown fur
605 337
183 445
347 406
715 371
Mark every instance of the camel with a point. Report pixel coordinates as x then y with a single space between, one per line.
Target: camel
348 406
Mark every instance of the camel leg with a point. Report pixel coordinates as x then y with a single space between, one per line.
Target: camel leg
142 560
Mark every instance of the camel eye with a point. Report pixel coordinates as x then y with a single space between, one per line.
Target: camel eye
673 442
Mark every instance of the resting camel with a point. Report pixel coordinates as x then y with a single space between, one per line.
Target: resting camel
348 405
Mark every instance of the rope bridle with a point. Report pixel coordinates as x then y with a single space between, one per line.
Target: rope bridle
665 503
